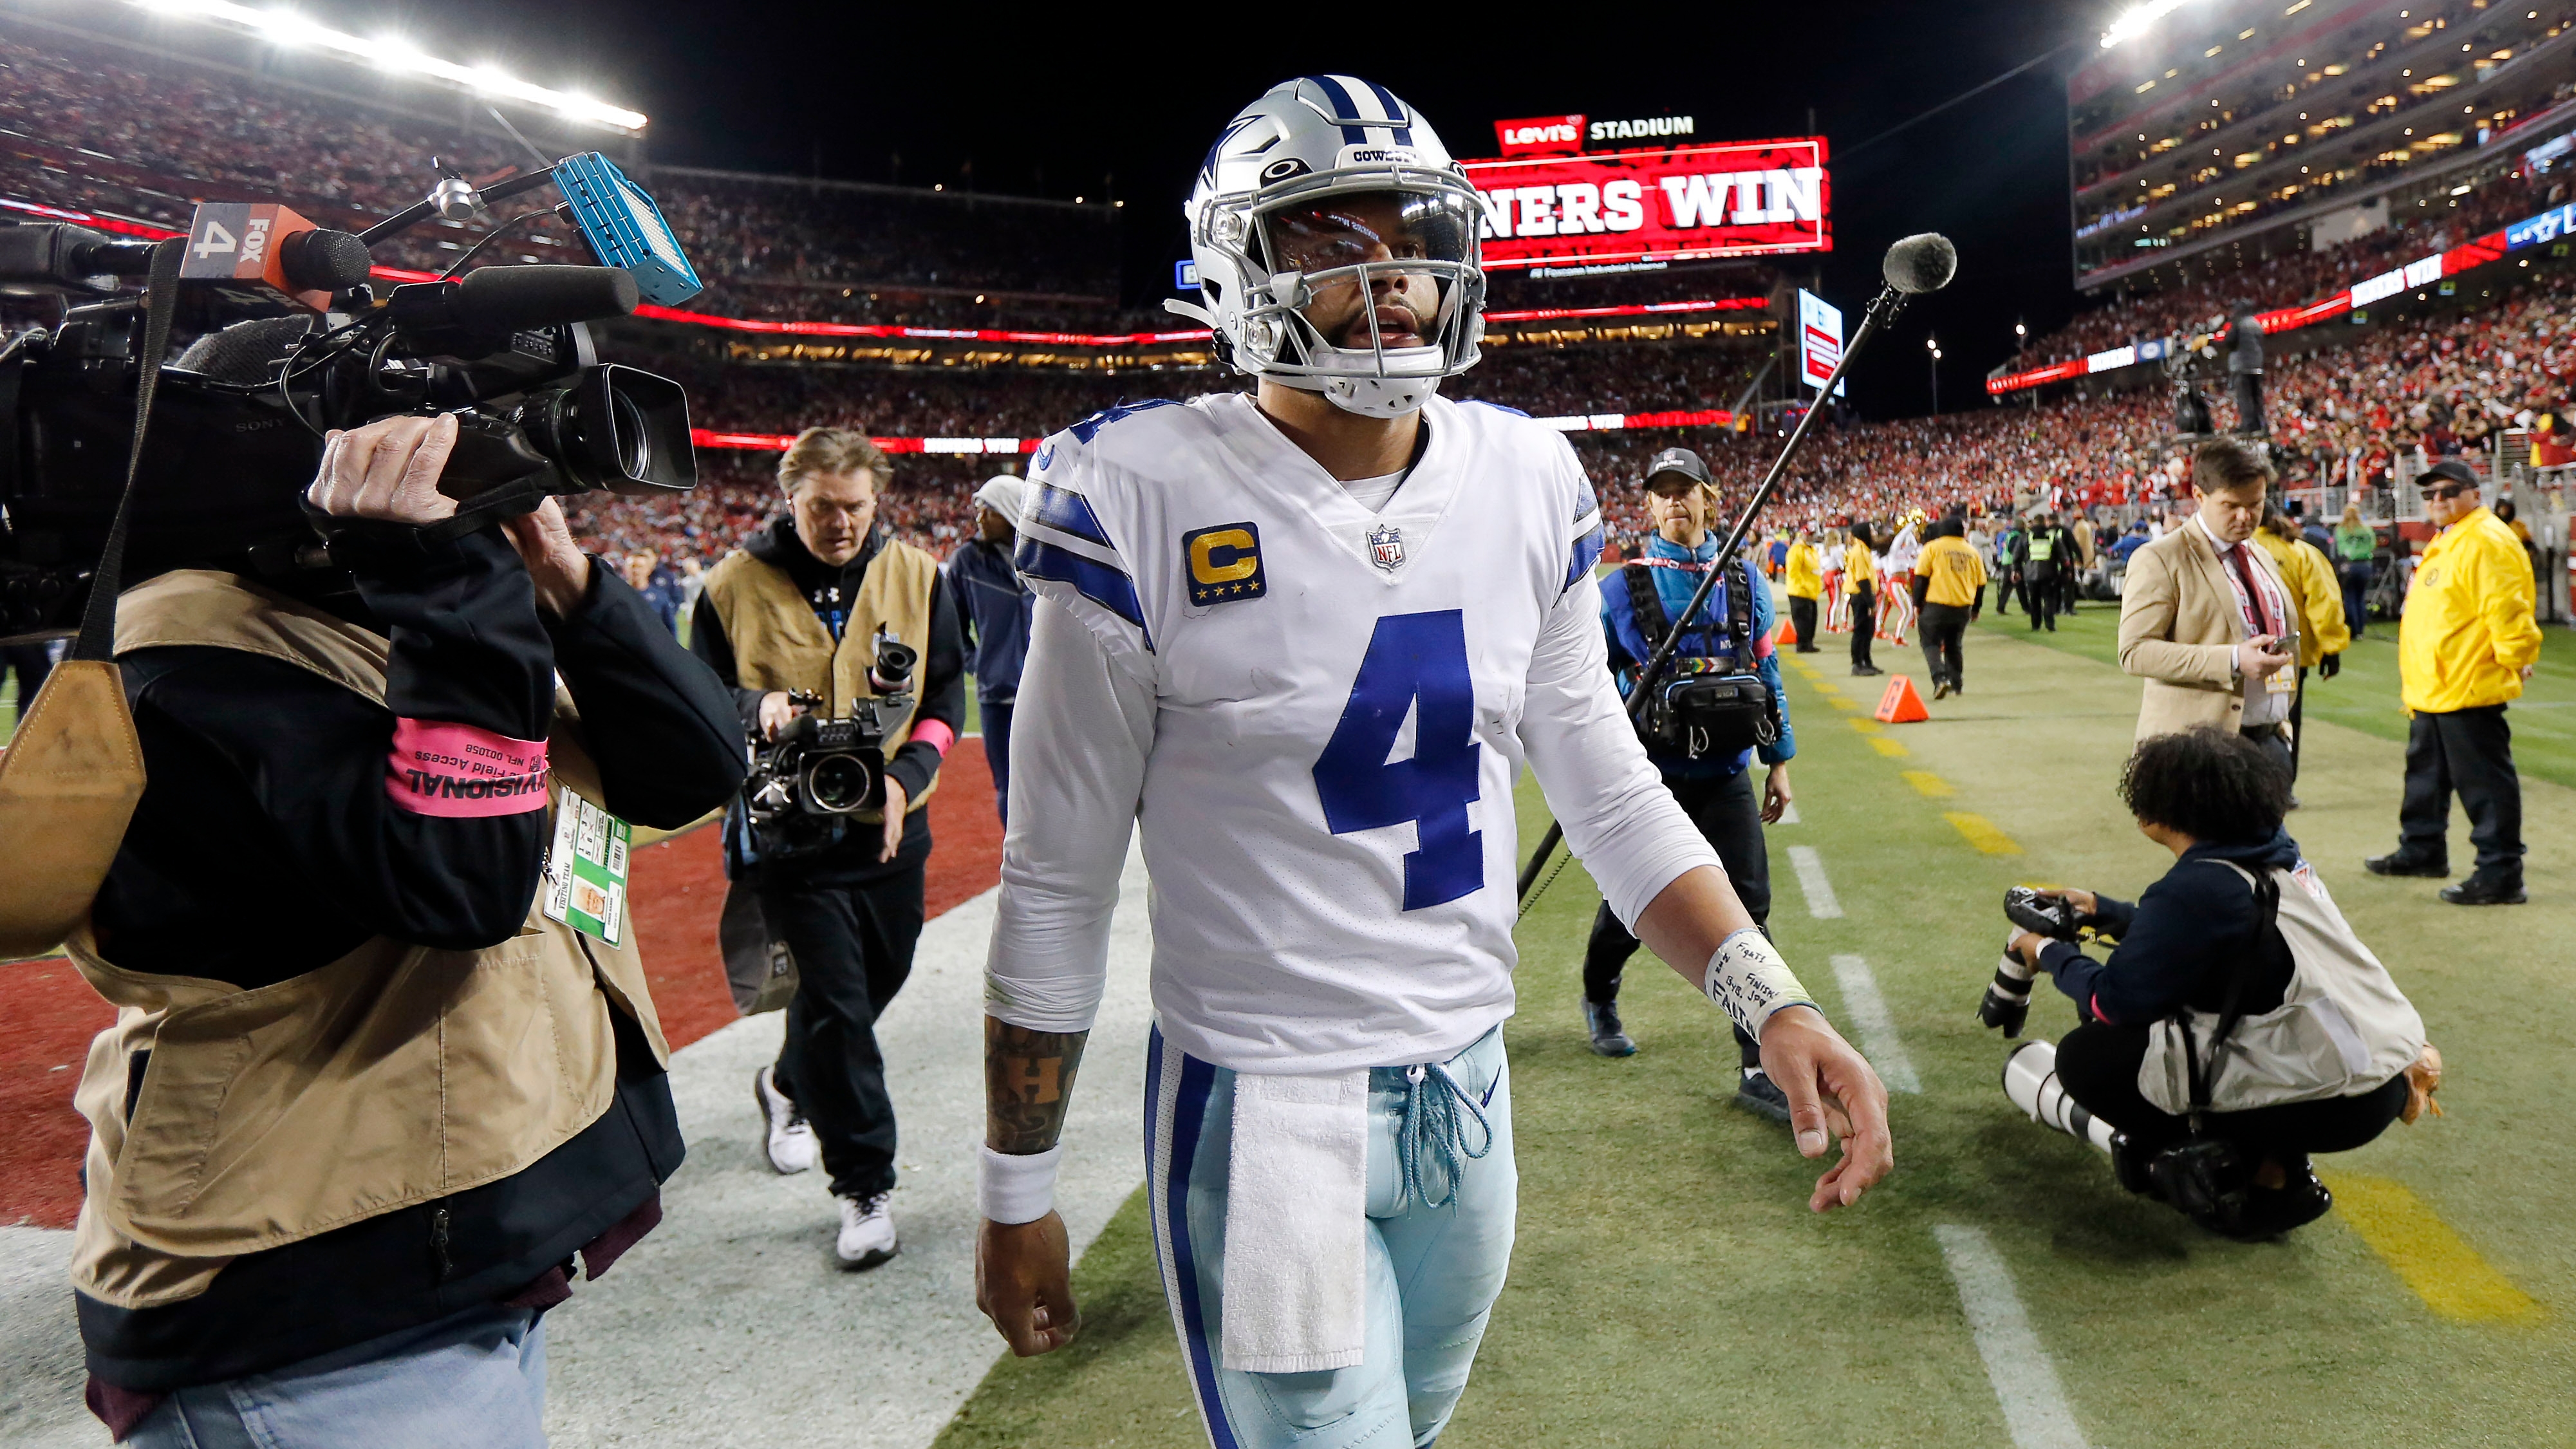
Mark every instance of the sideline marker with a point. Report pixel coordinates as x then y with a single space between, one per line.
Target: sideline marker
1901 704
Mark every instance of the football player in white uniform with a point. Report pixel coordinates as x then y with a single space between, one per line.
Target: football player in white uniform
1307 638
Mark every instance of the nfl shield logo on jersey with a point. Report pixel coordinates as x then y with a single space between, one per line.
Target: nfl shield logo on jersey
1386 547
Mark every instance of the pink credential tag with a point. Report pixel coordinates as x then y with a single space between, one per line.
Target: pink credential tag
439 768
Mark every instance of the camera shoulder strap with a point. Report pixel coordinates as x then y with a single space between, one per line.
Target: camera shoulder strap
97 637
2204 1075
1646 604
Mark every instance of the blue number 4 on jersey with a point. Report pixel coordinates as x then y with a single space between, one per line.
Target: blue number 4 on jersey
1417 664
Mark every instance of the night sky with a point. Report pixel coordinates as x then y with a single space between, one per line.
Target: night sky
1089 100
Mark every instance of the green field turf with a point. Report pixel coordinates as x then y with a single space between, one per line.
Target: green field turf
2364 696
1669 1288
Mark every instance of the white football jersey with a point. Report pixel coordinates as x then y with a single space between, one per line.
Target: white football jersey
1316 712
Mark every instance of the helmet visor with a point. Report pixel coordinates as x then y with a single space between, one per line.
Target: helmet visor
1380 270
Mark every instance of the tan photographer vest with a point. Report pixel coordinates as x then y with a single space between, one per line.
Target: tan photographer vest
779 644
388 1077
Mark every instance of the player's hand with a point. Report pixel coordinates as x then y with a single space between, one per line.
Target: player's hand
1833 1094
387 471
1776 794
1024 1283
2255 658
556 564
894 804
776 709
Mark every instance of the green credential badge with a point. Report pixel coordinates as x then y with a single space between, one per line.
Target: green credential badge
586 869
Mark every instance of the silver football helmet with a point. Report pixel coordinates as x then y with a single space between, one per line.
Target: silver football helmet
1338 247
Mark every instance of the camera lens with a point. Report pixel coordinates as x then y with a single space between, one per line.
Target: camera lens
633 436
838 784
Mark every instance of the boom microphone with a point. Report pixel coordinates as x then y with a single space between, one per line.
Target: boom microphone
1924 262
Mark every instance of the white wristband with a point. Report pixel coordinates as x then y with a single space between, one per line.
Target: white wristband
1748 981
1016 1187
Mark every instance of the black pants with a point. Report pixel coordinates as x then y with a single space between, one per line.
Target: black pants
1864 622
2469 751
853 942
2039 596
1944 626
2070 581
2298 722
2247 389
1802 617
2354 575
2097 1063
1729 813
2005 588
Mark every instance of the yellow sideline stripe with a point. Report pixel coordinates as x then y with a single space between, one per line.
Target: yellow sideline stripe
1888 747
1981 833
2448 1274
1866 726
1927 784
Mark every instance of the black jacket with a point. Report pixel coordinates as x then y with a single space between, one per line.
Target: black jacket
939 680
2183 941
265 845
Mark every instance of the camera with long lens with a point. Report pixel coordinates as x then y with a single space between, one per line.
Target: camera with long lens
292 342
2006 1004
818 772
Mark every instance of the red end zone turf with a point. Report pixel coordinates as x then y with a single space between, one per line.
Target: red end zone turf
677 892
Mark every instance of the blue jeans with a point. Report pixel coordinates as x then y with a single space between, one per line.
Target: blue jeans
473 1378
997 753
1433 1272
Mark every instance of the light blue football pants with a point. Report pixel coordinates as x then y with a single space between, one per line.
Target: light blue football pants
1433 1271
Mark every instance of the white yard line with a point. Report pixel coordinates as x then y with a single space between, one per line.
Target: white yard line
1878 1039
1789 813
1811 879
2025 1382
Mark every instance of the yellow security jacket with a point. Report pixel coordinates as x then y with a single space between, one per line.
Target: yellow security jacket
1860 571
1806 572
391 1076
2313 589
2467 630
1952 572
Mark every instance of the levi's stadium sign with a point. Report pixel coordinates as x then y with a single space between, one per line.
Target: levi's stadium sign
1678 203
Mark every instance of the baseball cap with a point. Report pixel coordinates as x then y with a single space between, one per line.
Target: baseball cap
2449 468
1678 460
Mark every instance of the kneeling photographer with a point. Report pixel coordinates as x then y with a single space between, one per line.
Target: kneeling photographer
843 649
1718 707
2238 1026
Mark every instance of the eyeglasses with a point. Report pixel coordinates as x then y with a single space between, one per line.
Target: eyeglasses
2452 490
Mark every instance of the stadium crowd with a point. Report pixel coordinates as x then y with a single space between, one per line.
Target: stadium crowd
2207 292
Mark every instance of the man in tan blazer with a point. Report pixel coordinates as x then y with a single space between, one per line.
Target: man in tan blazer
2203 609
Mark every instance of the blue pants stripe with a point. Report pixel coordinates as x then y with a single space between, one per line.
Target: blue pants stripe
1179 1140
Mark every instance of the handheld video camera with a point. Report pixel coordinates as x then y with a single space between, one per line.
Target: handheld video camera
819 771
294 342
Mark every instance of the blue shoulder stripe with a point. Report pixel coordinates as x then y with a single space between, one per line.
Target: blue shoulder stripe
1101 583
1066 511
1587 552
1089 427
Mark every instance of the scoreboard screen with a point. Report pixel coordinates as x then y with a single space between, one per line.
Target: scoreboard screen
1676 203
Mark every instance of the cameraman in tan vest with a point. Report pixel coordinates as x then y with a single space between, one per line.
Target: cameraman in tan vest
805 608
384 1060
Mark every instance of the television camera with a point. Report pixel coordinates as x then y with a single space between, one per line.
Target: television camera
294 339
818 771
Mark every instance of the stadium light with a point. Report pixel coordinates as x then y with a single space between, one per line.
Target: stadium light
2134 20
284 27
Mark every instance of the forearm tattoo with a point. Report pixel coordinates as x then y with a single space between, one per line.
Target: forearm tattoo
1028 1077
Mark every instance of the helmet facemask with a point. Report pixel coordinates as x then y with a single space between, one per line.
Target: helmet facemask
1365 285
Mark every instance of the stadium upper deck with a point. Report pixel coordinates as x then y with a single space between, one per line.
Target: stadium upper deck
2264 127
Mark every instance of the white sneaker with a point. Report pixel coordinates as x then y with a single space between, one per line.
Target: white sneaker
867 1231
791 1137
